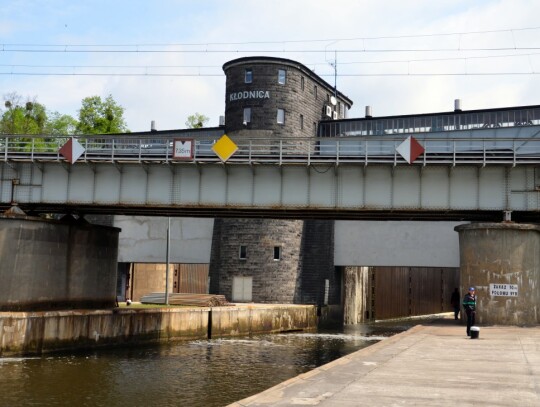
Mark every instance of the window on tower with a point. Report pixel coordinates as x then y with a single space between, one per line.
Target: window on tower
247 115
282 76
248 75
281 116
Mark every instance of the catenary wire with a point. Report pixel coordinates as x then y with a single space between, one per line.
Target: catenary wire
504 30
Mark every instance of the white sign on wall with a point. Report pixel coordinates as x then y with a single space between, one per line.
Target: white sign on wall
503 290
183 149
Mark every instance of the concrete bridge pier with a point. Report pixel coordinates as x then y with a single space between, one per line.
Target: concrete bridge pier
502 261
48 264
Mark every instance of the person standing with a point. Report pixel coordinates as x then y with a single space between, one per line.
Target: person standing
454 301
469 304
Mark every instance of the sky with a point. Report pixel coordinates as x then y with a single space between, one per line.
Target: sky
162 60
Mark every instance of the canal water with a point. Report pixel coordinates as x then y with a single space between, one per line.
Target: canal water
189 374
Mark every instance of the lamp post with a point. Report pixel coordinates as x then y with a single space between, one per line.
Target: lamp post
167 261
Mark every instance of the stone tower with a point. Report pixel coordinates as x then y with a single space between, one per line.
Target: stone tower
276 260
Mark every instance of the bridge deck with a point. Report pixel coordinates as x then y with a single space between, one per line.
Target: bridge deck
465 174
435 365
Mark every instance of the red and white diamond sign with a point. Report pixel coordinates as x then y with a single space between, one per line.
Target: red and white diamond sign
410 149
72 150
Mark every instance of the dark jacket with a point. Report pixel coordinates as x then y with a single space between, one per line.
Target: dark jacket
469 302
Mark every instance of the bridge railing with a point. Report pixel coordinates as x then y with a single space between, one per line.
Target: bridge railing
336 150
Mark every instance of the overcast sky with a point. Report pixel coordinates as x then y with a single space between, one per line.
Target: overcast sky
161 60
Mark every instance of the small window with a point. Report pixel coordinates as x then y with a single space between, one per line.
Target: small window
315 91
281 116
282 75
249 75
277 253
302 83
302 122
247 115
242 253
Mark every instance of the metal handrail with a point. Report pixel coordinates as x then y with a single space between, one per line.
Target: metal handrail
306 151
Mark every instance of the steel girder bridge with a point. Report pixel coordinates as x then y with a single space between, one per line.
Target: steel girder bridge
476 174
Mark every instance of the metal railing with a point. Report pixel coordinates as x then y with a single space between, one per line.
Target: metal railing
305 151
432 123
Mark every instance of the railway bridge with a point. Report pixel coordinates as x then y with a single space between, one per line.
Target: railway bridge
486 175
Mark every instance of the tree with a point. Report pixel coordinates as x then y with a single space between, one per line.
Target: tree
32 118
22 118
196 121
101 117
60 124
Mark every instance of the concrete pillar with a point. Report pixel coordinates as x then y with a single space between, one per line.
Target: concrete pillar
502 261
357 302
48 264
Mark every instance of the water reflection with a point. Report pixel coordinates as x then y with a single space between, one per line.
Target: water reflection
198 373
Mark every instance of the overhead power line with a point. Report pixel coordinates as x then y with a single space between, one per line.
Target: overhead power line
146 66
364 38
253 51
220 75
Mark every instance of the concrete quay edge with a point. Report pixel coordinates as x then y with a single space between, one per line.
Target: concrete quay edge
428 365
35 333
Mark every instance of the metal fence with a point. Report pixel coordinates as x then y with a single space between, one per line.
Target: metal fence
465 149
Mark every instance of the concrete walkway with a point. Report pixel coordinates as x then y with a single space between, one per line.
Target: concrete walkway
432 365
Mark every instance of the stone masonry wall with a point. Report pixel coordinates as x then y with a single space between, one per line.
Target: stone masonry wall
291 96
318 265
274 281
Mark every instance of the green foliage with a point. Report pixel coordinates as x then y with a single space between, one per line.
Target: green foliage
18 118
196 121
60 124
32 118
98 116
29 119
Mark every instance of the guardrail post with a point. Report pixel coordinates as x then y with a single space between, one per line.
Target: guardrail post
6 149
366 155
280 152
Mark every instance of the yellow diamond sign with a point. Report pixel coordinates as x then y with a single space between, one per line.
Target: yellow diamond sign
224 148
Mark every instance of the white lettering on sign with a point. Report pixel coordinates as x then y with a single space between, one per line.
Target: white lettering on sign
503 290
250 94
183 149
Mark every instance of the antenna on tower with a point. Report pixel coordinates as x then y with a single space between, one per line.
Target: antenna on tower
334 65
